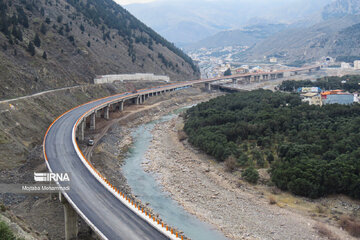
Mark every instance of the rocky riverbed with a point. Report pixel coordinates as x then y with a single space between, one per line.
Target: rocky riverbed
203 188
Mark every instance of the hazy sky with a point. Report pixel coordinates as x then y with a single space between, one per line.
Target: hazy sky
125 2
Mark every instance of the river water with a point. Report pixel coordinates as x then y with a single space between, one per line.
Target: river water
146 188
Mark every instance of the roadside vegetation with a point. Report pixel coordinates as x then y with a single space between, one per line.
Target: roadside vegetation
310 151
348 83
6 233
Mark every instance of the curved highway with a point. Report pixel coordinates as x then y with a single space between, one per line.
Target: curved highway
110 217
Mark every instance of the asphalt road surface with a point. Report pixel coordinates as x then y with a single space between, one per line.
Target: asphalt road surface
102 208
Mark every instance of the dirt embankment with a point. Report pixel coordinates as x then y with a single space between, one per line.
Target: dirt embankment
239 210
23 124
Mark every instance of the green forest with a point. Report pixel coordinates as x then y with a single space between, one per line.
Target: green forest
310 150
326 83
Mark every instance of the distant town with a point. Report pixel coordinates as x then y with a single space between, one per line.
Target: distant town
217 62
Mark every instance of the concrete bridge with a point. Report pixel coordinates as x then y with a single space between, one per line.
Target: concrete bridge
259 76
109 212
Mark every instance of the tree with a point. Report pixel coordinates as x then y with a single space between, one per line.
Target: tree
37 40
67 28
82 28
47 20
88 44
16 32
59 18
44 56
31 49
22 17
71 39
269 157
251 175
43 29
227 72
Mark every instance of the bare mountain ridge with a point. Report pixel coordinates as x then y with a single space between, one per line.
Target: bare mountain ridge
333 37
47 44
341 8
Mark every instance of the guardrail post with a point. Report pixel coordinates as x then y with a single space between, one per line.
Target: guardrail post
71 219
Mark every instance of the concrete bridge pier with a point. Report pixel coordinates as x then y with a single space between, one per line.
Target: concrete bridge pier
71 219
82 129
98 113
121 107
208 86
107 112
92 121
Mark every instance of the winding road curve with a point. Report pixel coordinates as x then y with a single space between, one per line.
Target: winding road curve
108 216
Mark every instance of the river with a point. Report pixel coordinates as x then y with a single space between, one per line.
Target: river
147 189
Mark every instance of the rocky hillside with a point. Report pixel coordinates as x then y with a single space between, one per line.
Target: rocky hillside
333 37
336 36
47 44
341 8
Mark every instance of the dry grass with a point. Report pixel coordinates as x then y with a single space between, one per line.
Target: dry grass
351 225
275 190
272 200
230 164
320 209
325 232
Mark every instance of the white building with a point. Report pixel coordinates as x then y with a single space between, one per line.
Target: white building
357 64
273 60
356 97
130 77
345 65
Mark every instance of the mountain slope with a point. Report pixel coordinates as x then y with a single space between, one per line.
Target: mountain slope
241 37
215 16
335 37
51 44
341 8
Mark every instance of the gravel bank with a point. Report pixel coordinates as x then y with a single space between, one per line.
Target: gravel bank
202 187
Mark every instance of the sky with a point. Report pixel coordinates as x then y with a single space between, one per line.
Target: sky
126 2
